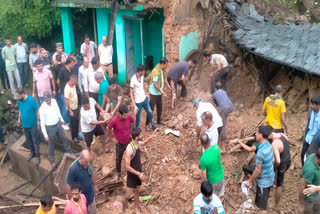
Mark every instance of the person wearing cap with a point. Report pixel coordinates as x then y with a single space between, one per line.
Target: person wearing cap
221 99
202 107
51 121
178 75
41 81
103 86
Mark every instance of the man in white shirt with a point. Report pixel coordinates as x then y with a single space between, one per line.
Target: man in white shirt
207 202
88 48
90 85
51 120
211 130
89 124
105 54
202 107
82 75
139 94
221 69
21 57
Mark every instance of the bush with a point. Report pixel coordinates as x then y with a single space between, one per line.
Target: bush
8 114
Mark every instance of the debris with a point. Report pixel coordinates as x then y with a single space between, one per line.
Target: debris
3 158
106 171
146 197
16 188
43 179
174 132
10 199
183 196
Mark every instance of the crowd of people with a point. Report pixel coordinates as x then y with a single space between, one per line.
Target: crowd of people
73 92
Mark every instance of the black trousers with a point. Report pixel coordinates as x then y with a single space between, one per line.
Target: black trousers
120 149
95 96
156 100
304 150
74 123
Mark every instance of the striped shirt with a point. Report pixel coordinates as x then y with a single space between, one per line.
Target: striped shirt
264 156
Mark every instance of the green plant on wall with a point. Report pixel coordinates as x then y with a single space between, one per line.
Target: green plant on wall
29 18
8 114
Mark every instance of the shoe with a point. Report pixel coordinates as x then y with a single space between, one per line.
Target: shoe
75 140
37 161
80 136
30 157
65 127
15 97
154 128
3 91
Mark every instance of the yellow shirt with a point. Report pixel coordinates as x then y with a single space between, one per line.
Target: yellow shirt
274 107
52 211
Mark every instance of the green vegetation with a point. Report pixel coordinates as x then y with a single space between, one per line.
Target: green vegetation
8 113
32 19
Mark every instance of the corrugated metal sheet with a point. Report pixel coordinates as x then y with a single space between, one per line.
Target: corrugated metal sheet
296 46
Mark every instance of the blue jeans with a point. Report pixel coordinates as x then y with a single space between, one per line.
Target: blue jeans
1 135
32 137
63 108
145 104
41 99
23 71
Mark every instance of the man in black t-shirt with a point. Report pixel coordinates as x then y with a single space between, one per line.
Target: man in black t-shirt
63 78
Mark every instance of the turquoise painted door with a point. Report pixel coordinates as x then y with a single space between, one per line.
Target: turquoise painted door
129 49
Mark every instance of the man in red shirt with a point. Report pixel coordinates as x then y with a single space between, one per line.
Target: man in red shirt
121 126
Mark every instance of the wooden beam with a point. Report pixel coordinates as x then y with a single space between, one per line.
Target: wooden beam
18 187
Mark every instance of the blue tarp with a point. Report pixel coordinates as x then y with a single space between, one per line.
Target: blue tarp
296 46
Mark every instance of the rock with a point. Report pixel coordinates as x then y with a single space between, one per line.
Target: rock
180 116
185 121
183 196
194 167
171 123
196 177
106 171
179 125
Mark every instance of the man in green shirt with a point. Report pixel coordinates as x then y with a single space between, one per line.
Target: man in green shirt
211 167
8 55
103 86
310 175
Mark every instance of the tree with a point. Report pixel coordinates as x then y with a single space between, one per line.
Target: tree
28 18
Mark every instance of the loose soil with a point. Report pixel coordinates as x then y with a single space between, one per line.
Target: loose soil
171 164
